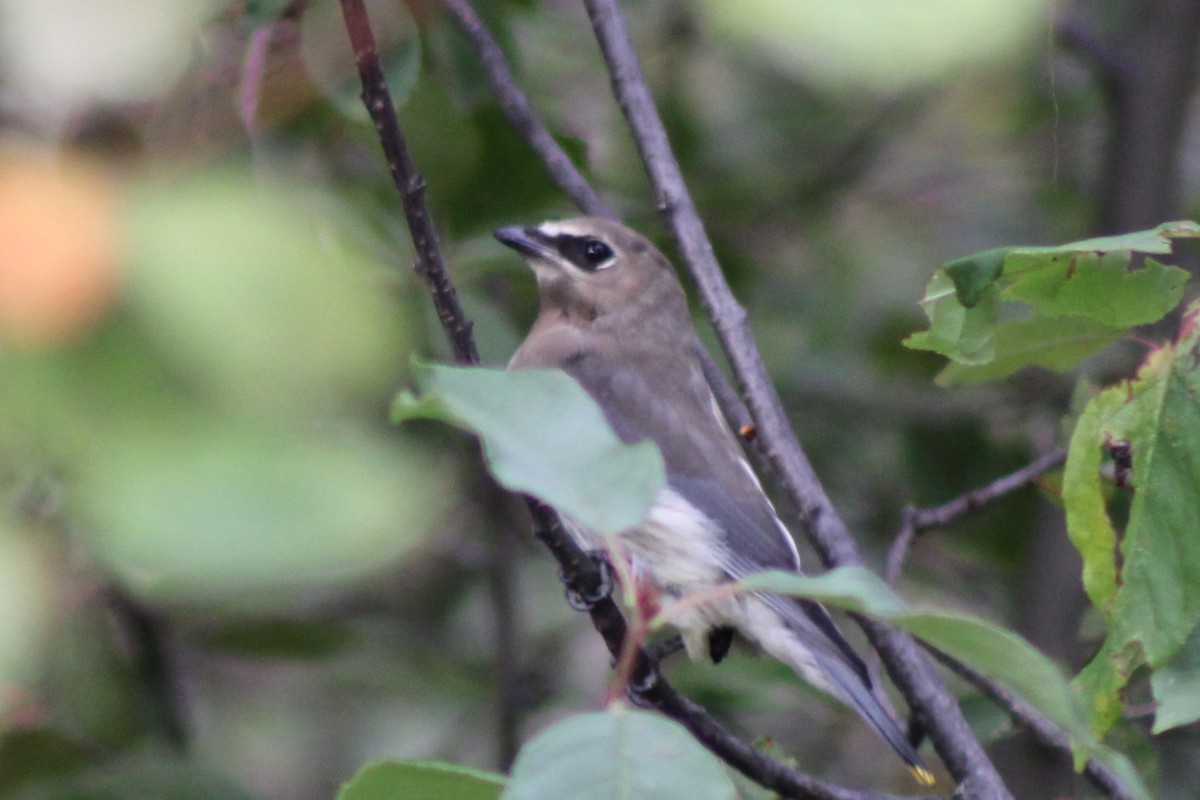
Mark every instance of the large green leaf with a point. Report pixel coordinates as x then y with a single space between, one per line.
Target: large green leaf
421 780
252 297
997 311
1101 288
992 650
1147 579
984 646
1052 342
1177 687
617 754
544 435
202 509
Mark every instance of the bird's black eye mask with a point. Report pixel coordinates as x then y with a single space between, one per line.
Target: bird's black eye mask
589 253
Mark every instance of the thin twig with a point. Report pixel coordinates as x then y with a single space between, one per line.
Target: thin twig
910 670
1043 729
917 520
516 107
429 263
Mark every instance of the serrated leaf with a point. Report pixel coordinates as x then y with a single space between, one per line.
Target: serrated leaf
1088 280
1151 589
1101 287
617 754
1056 343
421 780
544 435
1176 687
966 335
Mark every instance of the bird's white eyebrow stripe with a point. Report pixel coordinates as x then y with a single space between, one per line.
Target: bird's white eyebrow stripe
557 228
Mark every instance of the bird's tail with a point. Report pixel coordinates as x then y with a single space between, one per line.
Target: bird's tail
802 635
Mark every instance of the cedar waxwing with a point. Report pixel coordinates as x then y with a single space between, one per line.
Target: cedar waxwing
614 316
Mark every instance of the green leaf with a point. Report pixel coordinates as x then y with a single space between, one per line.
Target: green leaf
974 274
1177 687
617 755
966 335
1088 523
245 290
987 648
1056 343
1157 241
206 510
1077 299
1102 288
992 650
421 780
1150 590
544 435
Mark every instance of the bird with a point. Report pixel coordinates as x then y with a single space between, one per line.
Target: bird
614 316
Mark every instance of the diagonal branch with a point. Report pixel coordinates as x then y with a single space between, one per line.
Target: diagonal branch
1043 729
918 520
909 669
516 107
429 262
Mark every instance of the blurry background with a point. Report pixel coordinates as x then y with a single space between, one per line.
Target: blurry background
223 574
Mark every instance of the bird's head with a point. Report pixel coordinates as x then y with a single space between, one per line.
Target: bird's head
590 267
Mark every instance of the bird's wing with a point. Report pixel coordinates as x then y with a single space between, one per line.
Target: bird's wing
674 407
705 465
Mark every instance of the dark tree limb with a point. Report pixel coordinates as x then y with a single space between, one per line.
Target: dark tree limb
918 520
910 670
1149 76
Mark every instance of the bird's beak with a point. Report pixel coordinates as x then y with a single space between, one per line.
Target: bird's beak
528 241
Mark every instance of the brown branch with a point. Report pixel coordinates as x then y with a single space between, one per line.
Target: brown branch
429 263
918 520
516 107
910 670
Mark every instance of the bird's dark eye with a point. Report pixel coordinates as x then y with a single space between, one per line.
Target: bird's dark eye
586 252
596 252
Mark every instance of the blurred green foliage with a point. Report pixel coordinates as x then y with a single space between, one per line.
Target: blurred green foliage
329 590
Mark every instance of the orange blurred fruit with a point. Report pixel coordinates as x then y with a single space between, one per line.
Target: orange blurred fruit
59 246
